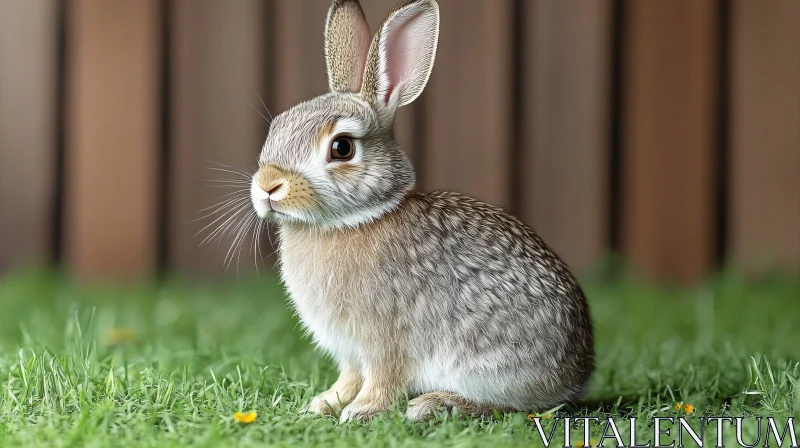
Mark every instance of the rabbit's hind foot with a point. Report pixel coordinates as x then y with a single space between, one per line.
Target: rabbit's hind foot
424 407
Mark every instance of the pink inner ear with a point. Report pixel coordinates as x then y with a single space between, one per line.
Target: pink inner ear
402 41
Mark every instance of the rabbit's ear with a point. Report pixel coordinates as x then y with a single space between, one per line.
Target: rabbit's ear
401 55
347 39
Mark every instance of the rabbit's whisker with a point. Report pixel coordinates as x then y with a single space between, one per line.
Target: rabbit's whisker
262 115
236 196
240 232
256 249
225 170
262 103
230 229
228 181
227 229
237 169
227 207
233 212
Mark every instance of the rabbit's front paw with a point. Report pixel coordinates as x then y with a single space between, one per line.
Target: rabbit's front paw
361 411
341 393
325 404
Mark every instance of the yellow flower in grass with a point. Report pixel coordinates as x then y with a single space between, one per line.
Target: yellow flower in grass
580 444
687 408
249 417
533 416
119 335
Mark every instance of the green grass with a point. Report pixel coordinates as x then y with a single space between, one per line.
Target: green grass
199 353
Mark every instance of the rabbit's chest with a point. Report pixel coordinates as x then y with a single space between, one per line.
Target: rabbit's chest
329 282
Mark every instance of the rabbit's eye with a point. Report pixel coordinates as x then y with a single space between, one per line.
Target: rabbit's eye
342 148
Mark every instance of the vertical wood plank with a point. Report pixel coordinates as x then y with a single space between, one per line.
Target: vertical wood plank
764 202
112 137
27 129
468 131
218 50
668 137
299 51
565 108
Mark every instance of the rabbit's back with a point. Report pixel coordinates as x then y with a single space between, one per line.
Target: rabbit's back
500 313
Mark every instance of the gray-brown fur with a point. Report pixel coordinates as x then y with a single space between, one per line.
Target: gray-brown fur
424 407
438 295
467 285
369 88
346 42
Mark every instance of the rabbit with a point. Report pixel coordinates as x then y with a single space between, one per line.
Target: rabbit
439 296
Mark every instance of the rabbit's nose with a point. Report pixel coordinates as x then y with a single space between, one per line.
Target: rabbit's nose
278 189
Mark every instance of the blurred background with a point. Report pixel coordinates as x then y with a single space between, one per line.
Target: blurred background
667 132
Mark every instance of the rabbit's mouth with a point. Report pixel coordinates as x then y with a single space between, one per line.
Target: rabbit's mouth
273 208
264 205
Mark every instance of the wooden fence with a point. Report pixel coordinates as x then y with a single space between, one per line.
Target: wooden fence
667 131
